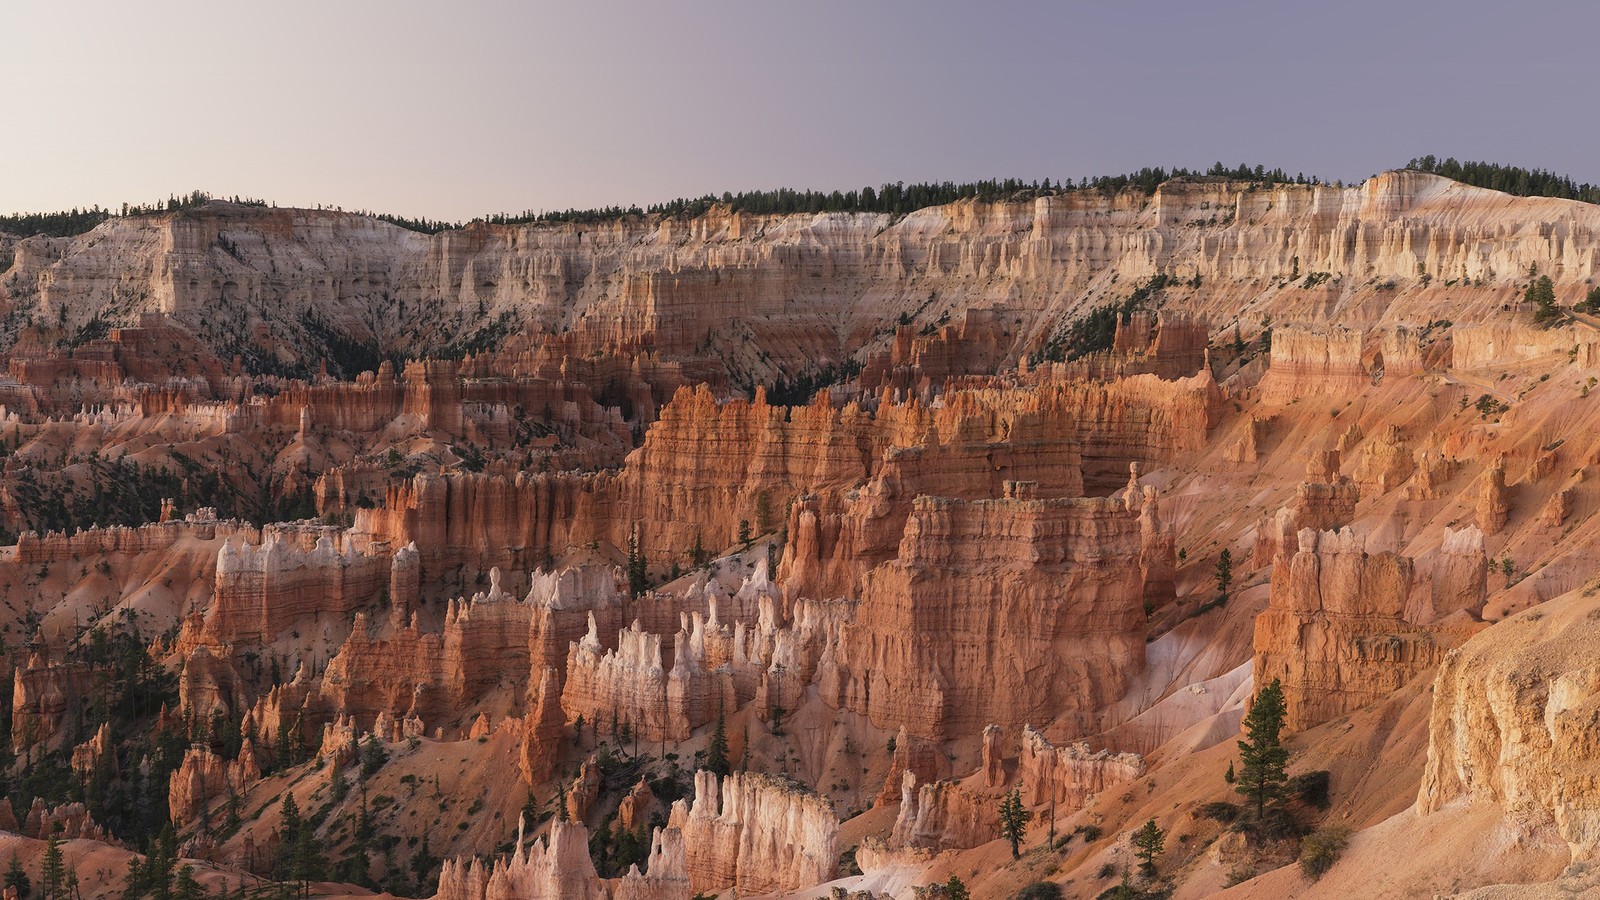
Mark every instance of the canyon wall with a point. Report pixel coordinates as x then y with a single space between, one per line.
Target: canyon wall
1335 631
1002 611
261 590
804 288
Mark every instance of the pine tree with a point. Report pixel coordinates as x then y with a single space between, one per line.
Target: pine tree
717 750
1148 842
373 756
763 513
1014 819
1263 760
956 889
638 576
1590 302
308 864
53 872
17 878
289 812
423 861
1542 294
1229 776
1224 574
744 531
186 887
282 748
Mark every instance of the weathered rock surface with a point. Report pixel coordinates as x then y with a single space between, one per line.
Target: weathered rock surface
1069 777
755 834
998 611
558 867
943 815
1514 723
1335 632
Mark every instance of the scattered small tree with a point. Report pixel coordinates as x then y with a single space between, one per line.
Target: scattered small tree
53 871
1229 776
763 513
186 887
1014 819
1263 759
717 750
1224 573
1149 841
373 756
307 864
638 575
17 878
744 531
956 889
1590 302
1542 294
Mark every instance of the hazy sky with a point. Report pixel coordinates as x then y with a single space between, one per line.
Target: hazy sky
452 109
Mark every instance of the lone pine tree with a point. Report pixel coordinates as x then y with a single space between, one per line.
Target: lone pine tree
1263 760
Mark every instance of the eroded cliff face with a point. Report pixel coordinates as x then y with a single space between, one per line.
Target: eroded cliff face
755 835
782 293
1070 777
1336 632
261 590
1004 611
558 867
1514 724
943 815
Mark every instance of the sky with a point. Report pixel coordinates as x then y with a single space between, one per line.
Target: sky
456 109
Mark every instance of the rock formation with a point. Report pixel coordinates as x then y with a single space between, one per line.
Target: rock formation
1325 501
997 611
1069 777
911 755
943 815
263 590
1335 632
1494 507
1513 723
833 481
755 834
558 867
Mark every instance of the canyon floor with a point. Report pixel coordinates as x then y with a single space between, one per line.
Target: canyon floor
772 555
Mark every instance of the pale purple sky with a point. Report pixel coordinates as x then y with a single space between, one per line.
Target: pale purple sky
452 109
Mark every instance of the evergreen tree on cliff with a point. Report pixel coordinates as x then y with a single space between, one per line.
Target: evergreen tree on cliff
1263 760
1542 294
638 577
53 871
1014 821
717 750
1149 841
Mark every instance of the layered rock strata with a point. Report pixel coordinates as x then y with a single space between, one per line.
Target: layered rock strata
997 611
755 834
1335 633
